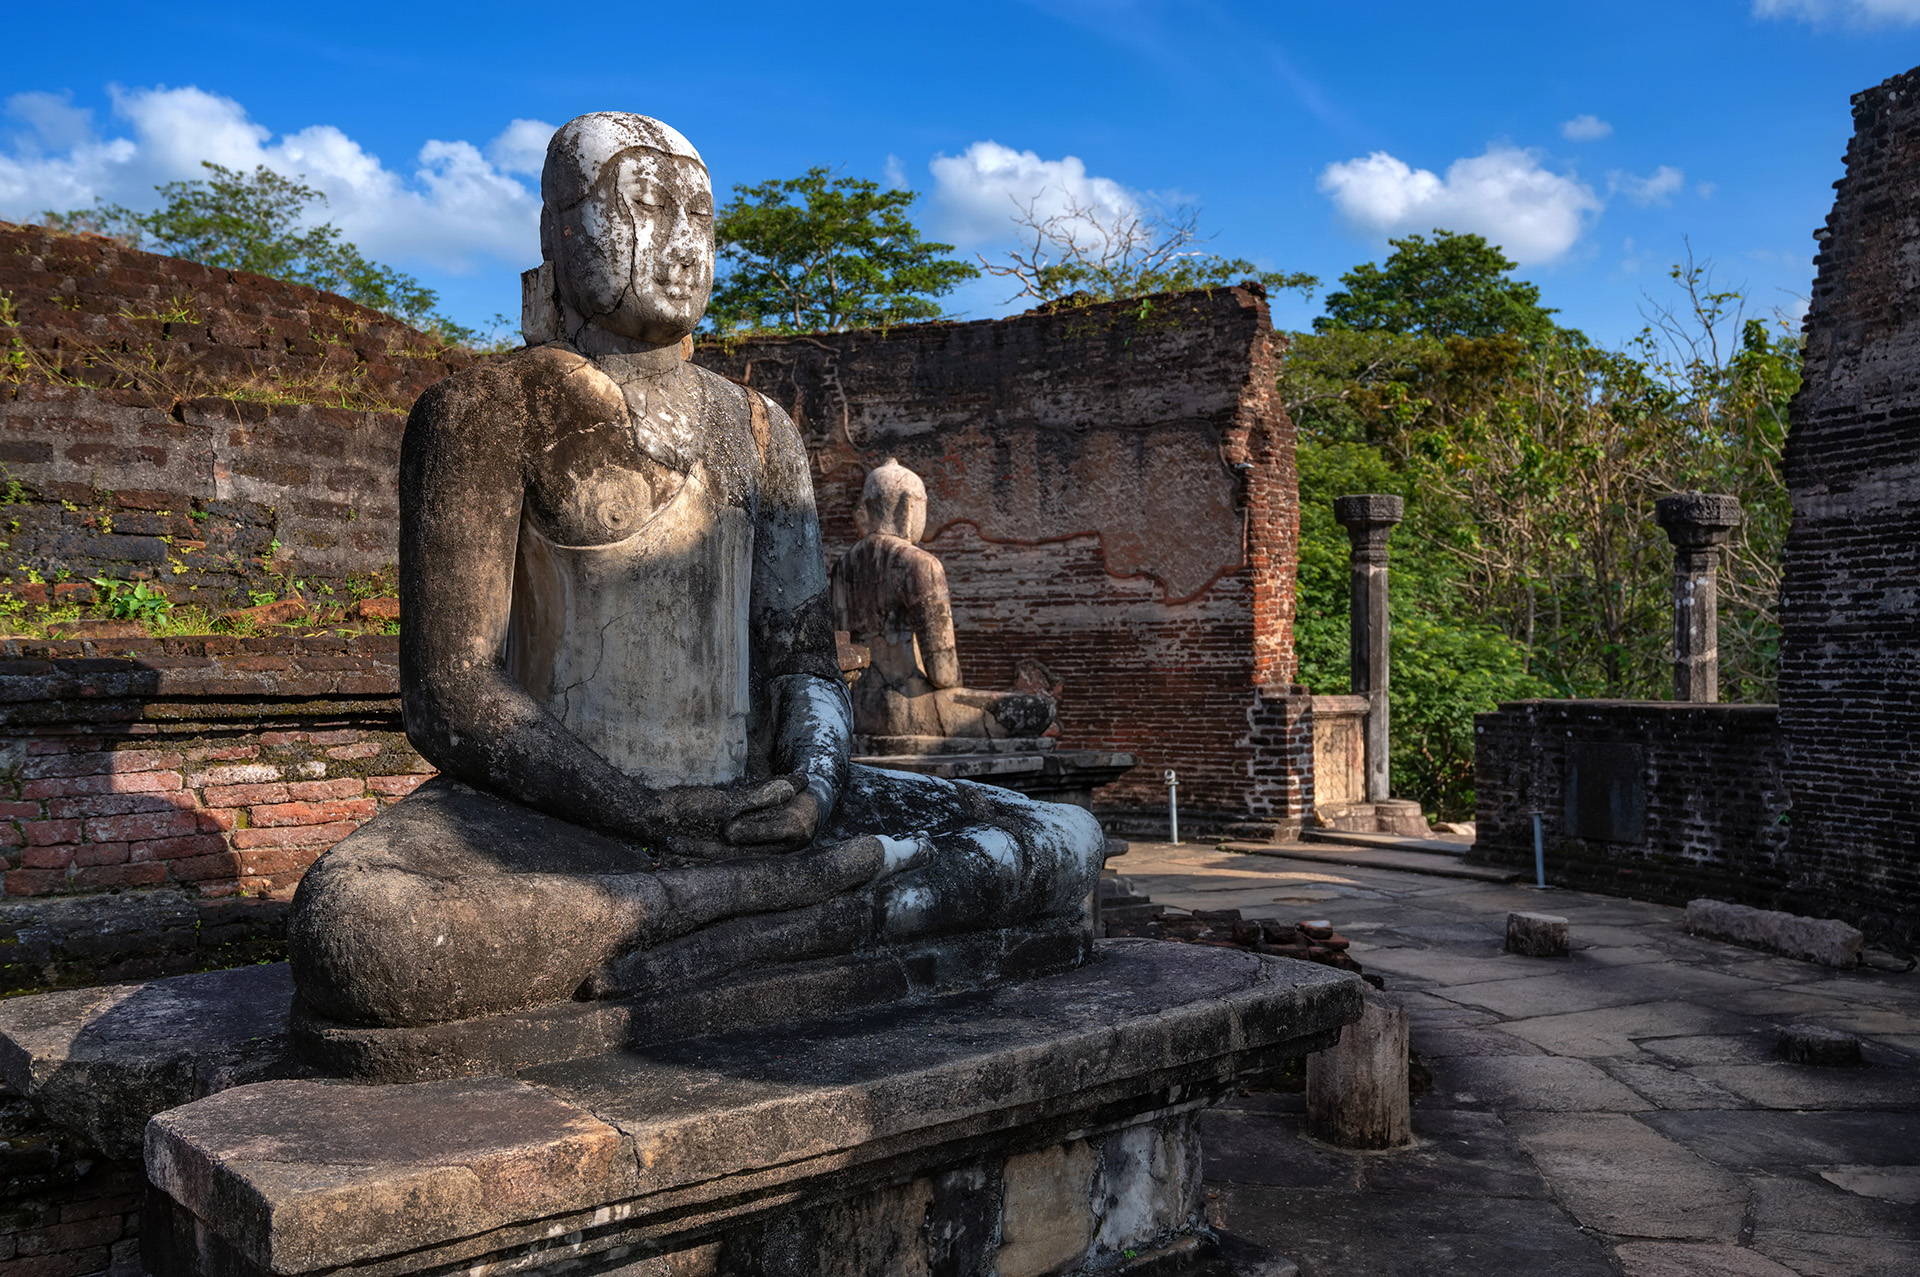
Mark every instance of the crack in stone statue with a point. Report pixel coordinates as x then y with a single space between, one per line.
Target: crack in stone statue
891 595
617 645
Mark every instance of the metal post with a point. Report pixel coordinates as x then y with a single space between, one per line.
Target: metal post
1369 521
1539 854
1698 524
1173 803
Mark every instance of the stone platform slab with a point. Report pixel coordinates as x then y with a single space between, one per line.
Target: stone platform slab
967 1133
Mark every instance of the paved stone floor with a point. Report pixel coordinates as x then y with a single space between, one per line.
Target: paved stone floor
1617 1112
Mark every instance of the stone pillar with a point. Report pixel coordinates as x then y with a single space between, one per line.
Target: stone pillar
1698 524
1369 521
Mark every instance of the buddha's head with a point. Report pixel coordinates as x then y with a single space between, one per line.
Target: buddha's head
893 501
626 220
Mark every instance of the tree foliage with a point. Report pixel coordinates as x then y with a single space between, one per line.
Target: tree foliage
810 254
1529 562
1086 255
256 222
1449 286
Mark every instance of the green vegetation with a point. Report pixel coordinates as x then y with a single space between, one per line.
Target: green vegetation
252 222
1529 563
809 254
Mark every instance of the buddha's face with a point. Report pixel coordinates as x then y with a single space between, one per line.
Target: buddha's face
635 255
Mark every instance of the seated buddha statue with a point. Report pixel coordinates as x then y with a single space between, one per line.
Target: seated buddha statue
617 646
891 595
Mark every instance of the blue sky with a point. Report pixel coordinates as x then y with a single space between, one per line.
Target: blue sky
1593 141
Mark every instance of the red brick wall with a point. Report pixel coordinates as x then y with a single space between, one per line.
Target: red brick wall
144 771
1113 493
172 422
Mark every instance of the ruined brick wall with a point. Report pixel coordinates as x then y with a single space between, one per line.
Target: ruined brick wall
217 765
1677 800
1112 490
162 420
1850 606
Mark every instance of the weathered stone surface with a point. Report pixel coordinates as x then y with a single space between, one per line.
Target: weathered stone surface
102 1061
1538 935
1619 1177
1815 1044
1823 940
728 1132
1045 1221
305 1175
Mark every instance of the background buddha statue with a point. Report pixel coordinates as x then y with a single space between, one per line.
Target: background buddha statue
891 595
617 646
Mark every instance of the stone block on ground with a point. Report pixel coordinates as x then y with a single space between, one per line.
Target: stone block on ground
1539 935
1357 1089
1816 1044
1823 940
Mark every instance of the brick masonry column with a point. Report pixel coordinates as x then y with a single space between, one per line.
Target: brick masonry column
1369 521
1698 524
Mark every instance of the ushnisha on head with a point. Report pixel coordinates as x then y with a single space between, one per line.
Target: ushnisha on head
893 501
626 228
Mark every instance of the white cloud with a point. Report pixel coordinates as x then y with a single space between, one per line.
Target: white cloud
1586 128
896 175
53 121
1656 188
1534 214
457 204
977 193
521 147
1856 12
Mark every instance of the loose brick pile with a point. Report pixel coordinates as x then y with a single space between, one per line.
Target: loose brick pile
150 430
1125 913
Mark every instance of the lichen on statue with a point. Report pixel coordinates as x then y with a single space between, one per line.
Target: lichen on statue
618 649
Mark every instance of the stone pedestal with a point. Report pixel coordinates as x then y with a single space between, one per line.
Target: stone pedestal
1035 1127
1040 1127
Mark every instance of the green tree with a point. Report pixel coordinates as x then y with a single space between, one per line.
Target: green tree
1449 286
809 254
1086 255
254 222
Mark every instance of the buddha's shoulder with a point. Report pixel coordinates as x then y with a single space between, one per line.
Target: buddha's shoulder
538 383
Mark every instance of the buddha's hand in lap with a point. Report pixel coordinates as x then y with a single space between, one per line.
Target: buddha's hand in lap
700 819
789 826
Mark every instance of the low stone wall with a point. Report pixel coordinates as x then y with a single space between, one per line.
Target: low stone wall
1653 799
220 766
64 1209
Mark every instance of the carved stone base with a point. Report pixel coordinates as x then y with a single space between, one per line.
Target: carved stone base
1035 1128
1399 816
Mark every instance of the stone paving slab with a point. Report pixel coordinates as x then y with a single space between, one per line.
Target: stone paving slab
1628 1113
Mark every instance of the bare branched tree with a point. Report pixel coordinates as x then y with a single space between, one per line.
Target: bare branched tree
1091 254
